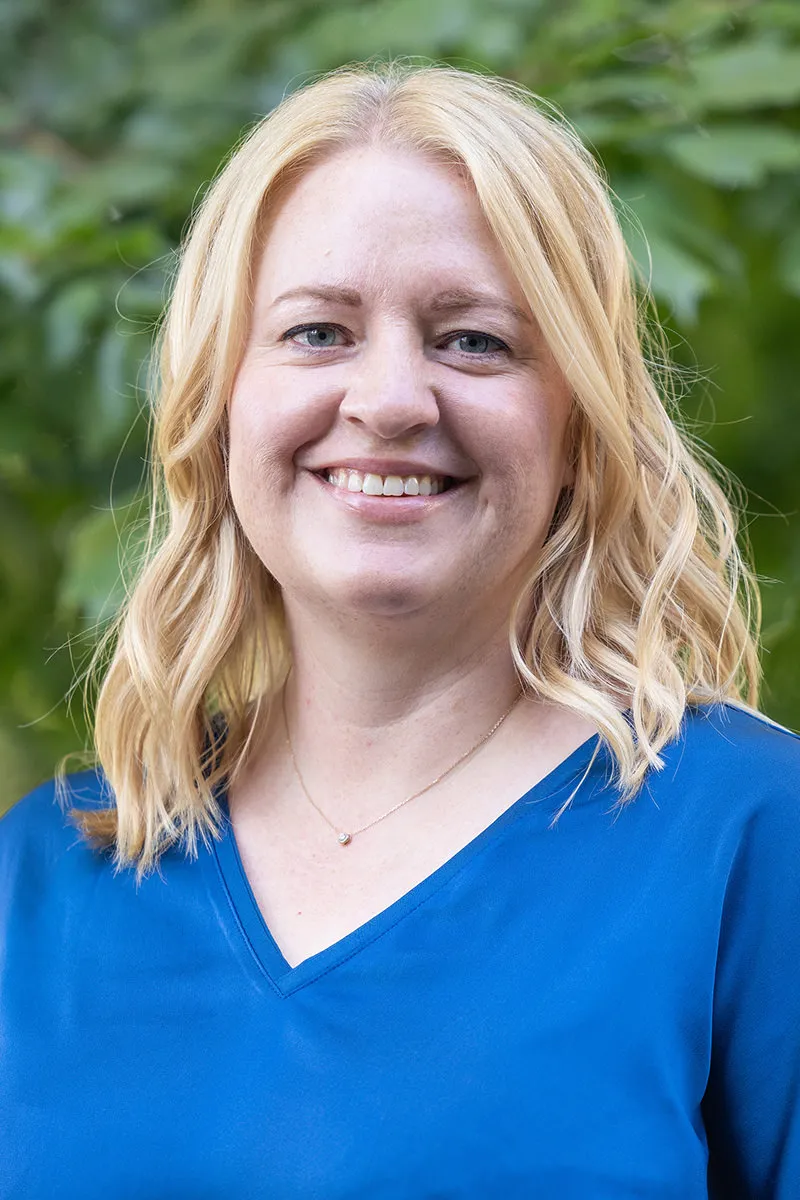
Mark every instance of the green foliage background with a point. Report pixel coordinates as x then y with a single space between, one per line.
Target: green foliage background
114 114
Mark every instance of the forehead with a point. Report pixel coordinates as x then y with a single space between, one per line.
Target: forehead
381 218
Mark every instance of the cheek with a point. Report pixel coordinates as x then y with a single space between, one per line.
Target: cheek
245 466
256 480
255 427
520 448
273 413
520 444
255 475
262 441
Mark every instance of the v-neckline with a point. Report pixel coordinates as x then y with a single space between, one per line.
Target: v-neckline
268 957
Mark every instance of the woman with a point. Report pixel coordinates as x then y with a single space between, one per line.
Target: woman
436 846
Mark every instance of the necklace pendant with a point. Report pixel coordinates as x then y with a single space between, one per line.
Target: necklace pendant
344 838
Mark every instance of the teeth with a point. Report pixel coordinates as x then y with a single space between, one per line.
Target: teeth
372 485
384 485
392 486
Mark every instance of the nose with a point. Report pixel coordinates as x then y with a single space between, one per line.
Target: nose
390 393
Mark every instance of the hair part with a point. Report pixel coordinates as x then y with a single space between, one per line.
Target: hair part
640 602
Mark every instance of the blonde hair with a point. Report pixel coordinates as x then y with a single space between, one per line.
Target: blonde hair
640 601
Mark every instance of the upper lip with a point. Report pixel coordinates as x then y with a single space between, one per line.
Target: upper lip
385 466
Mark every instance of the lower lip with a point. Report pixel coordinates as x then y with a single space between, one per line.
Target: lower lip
388 510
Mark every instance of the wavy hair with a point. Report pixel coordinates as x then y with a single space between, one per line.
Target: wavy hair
640 602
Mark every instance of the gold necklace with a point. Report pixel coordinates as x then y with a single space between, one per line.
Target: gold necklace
344 838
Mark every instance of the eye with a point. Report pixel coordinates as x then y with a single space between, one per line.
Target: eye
476 344
315 337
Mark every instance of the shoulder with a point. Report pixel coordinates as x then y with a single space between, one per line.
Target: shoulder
37 831
737 740
736 774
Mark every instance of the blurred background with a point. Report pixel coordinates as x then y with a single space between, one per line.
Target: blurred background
114 115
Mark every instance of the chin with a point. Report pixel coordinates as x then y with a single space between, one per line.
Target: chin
379 596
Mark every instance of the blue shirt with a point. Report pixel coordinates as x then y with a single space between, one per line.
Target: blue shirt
605 1010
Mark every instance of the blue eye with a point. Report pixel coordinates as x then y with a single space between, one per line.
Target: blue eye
474 343
318 337
322 337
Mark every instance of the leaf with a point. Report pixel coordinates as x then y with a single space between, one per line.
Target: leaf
756 73
18 277
121 356
114 186
735 155
102 554
671 263
675 276
27 179
789 263
69 318
387 27
651 92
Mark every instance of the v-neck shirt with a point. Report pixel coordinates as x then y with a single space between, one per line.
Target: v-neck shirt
607 1007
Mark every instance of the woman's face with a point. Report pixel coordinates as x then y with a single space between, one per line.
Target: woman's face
397 426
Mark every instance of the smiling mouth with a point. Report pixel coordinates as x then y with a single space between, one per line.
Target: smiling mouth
371 484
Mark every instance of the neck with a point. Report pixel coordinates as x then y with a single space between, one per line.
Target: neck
389 713
370 678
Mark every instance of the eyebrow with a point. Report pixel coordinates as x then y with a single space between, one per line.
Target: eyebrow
450 300
461 299
340 295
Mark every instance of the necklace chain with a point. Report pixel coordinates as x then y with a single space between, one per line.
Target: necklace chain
344 837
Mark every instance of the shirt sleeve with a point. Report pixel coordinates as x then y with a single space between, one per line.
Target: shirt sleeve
752 1104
